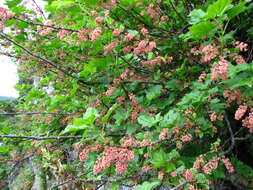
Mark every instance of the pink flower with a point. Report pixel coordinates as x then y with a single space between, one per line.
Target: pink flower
213 116
188 175
228 165
240 112
220 70
144 31
186 137
62 34
129 37
116 32
163 134
211 165
161 175
110 47
210 52
242 46
99 20
110 90
248 122
96 34
173 174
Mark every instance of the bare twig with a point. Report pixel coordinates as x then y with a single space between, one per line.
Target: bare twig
34 113
46 25
178 186
232 138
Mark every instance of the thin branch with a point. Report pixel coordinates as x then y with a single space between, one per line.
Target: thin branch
46 61
40 138
40 10
34 113
178 186
143 82
46 25
231 137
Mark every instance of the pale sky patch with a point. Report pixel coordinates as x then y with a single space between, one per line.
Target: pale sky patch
8 69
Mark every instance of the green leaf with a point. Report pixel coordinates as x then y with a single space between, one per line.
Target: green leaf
218 8
4 149
154 92
108 114
196 16
90 115
234 70
12 3
236 10
149 121
73 128
148 185
200 30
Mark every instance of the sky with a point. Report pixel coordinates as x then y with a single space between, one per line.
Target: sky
8 75
8 72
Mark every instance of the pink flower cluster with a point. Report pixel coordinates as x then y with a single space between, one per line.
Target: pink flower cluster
145 169
210 52
116 32
144 46
153 62
248 122
137 108
152 11
83 35
211 165
144 31
96 34
228 165
99 20
234 95
241 45
110 47
85 153
62 34
240 112
214 117
186 137
5 15
161 175
188 175
163 134
110 90
199 162
129 37
238 59
112 155
129 141
202 77
45 30
220 70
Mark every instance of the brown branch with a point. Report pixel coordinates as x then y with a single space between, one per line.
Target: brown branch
34 113
40 138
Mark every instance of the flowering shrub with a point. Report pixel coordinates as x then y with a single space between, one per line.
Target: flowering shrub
149 94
